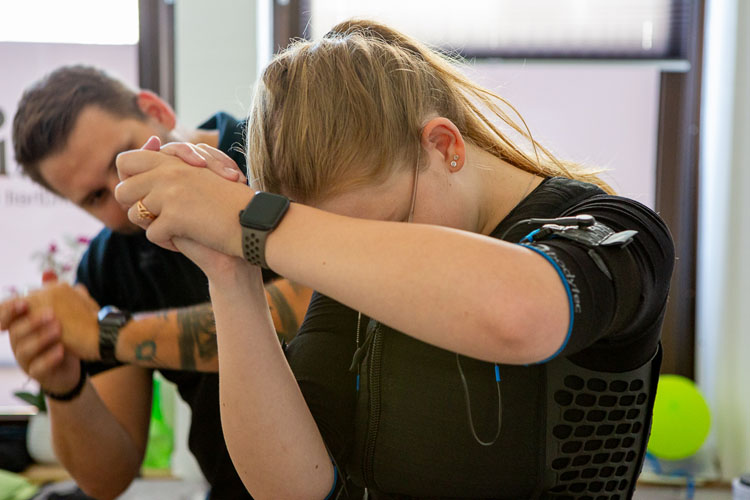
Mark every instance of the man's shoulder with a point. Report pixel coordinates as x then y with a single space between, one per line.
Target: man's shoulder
107 242
107 251
231 136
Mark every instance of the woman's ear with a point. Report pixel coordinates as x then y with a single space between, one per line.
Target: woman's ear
157 108
444 143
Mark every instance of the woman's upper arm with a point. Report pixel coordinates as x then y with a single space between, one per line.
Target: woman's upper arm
618 288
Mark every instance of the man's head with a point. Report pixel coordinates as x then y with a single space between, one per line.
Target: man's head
70 126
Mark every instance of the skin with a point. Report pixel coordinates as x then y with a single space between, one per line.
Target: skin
353 248
100 436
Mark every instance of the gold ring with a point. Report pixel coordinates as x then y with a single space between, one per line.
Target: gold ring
143 212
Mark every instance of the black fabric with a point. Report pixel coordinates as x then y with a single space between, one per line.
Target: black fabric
135 275
429 424
231 137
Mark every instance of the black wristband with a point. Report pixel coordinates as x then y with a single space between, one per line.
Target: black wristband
74 392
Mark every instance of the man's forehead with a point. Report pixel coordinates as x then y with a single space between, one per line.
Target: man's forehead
94 141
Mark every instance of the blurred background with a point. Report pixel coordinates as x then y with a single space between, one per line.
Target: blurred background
655 91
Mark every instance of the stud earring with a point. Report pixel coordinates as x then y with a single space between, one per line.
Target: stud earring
454 163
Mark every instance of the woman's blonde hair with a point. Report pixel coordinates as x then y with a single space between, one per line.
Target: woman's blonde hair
347 111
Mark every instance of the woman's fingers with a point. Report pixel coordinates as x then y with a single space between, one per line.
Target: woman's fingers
144 211
186 152
152 144
138 161
222 165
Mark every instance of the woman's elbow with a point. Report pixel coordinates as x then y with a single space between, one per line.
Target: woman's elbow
527 336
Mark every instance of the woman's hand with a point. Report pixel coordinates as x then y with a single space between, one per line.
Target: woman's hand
196 154
190 203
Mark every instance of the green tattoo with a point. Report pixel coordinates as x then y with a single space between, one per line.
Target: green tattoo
145 351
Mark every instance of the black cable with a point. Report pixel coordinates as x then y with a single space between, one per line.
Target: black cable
468 407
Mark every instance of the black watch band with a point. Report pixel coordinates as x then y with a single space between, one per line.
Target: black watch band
111 319
75 391
261 216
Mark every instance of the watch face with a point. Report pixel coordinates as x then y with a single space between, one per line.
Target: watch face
113 316
264 211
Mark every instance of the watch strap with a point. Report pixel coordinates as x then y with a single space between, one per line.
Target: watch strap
260 217
108 342
110 320
254 246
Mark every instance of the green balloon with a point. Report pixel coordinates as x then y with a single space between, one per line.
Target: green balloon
681 419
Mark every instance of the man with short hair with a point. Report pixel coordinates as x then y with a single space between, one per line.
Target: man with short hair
67 132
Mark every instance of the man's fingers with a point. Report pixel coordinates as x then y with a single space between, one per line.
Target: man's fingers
11 310
34 336
42 366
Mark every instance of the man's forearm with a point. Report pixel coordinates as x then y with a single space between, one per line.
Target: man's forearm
185 338
178 339
102 452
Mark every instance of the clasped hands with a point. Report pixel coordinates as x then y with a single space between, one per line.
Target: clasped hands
53 328
195 209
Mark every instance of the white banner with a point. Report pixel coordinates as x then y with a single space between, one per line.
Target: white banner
32 220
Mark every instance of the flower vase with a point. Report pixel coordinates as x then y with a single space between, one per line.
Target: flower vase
39 439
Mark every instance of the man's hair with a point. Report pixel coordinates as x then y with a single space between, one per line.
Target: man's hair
49 110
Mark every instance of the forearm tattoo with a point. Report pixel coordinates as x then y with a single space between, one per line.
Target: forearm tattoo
145 351
278 303
197 333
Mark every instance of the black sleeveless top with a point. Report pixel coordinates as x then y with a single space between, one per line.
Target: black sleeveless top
402 428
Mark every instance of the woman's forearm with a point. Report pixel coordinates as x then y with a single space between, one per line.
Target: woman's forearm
270 433
454 289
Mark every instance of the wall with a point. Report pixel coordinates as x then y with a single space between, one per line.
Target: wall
30 217
600 114
723 315
215 58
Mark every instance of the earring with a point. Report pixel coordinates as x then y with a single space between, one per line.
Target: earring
454 163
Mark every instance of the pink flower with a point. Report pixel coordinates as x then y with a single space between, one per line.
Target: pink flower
83 240
52 248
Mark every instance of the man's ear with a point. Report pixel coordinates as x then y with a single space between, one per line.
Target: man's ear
157 108
444 143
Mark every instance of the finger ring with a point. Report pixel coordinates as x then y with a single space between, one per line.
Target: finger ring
143 212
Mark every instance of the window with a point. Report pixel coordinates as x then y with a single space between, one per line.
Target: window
114 22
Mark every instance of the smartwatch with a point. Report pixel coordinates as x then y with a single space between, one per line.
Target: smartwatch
261 216
111 319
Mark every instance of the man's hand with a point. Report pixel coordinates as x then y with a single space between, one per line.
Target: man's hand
36 340
76 313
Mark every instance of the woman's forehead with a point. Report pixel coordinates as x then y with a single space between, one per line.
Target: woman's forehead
382 201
